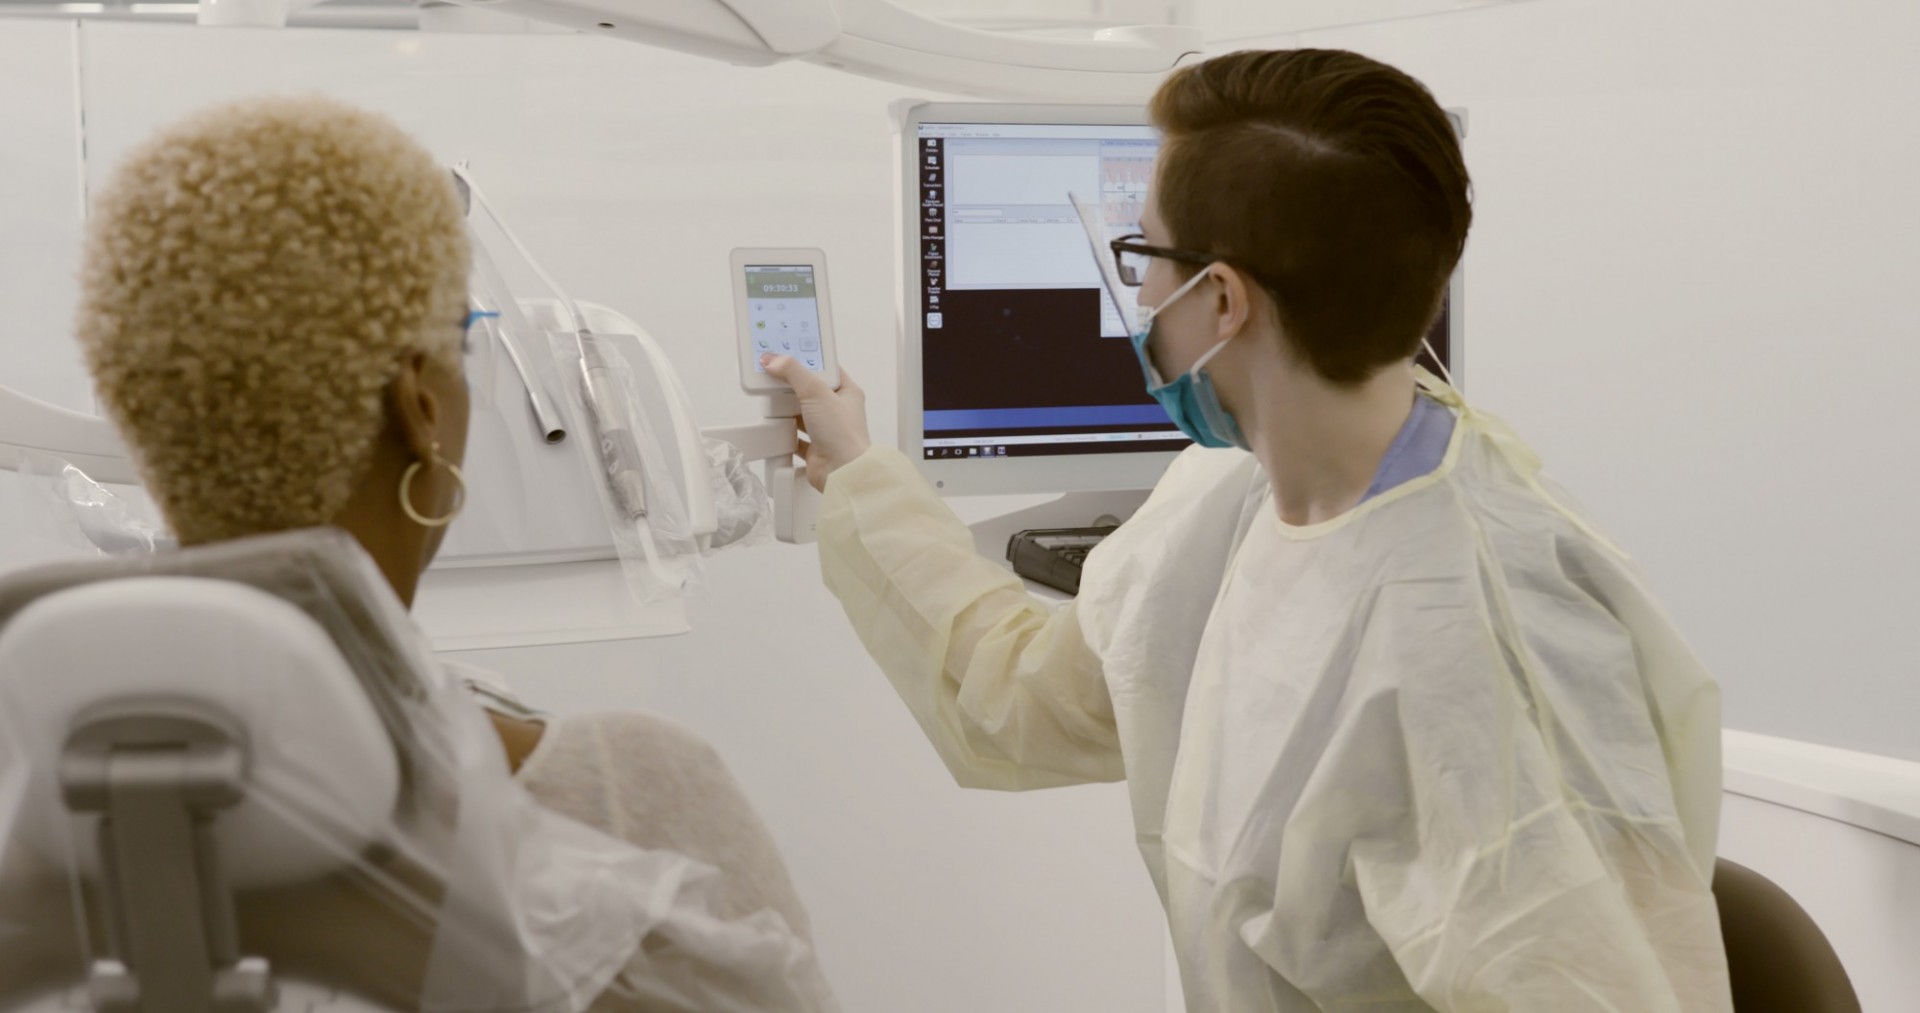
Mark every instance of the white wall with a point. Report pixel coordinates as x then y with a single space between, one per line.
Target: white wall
40 202
631 173
1691 285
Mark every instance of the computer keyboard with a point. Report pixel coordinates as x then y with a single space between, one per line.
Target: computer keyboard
1053 557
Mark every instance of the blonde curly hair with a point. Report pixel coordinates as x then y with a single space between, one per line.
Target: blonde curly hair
253 278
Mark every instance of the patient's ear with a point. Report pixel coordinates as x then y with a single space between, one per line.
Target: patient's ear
414 408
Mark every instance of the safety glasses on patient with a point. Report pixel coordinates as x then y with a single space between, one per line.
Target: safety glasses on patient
477 337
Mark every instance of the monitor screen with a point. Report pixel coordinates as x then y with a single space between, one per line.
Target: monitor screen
1023 354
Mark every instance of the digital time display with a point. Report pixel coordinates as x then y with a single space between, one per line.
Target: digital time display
780 282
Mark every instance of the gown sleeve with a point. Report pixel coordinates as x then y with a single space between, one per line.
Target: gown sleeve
1006 688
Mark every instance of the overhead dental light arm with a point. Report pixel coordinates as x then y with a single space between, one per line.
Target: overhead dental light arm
877 38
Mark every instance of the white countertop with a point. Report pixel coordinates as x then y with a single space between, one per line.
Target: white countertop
1878 793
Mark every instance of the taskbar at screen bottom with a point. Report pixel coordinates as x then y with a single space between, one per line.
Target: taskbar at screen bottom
1003 451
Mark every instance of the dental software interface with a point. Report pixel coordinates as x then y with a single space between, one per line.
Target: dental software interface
1023 353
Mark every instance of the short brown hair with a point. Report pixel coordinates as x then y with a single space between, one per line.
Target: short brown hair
1334 180
254 276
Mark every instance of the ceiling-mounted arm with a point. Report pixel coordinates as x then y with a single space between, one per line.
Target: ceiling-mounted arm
881 39
878 38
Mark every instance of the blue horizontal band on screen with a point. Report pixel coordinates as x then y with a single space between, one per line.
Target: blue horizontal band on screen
1040 418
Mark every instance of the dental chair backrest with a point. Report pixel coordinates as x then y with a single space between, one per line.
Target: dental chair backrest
155 714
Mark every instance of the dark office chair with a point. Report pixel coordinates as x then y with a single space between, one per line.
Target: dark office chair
1779 960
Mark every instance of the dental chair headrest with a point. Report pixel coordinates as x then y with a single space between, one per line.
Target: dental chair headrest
322 777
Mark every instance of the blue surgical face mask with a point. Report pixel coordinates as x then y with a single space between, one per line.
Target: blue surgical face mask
1190 400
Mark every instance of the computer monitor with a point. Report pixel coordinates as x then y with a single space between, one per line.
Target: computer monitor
1017 375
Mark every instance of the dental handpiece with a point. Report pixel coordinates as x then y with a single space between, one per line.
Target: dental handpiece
619 450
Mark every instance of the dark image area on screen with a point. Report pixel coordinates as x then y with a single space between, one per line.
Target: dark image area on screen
1036 351
1040 350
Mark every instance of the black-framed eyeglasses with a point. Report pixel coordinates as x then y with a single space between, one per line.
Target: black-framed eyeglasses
1132 254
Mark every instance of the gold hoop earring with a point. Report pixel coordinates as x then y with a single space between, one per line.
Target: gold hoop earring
406 490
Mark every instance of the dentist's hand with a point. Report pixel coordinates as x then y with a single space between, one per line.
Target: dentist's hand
834 421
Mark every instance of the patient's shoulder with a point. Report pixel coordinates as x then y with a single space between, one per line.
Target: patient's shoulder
656 783
633 742
634 774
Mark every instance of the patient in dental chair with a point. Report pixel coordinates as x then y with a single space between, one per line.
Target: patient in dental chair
274 314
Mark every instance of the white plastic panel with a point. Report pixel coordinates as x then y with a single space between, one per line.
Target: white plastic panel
531 605
527 499
530 501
